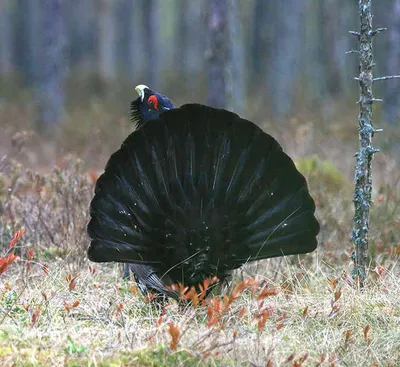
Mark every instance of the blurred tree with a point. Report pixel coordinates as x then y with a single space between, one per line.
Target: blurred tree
280 52
125 42
337 20
132 40
107 40
260 39
184 35
189 42
151 20
287 45
218 52
81 26
315 82
346 66
6 37
225 55
236 73
392 90
182 39
28 41
53 65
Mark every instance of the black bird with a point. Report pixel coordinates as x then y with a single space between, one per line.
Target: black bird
196 192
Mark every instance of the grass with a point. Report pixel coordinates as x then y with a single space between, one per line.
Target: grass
296 311
313 312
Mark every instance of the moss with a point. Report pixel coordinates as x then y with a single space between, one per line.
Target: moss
30 355
322 171
164 357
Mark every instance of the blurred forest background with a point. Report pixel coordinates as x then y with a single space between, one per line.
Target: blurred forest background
73 64
68 69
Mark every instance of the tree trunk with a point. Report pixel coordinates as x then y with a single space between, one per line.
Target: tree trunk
363 181
392 91
82 34
336 15
29 50
236 71
107 38
183 38
315 81
125 37
6 37
282 77
218 52
189 44
151 47
53 65
260 42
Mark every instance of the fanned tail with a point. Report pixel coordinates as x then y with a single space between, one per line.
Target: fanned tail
197 193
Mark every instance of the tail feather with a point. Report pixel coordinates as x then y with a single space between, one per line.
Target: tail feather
280 210
198 192
149 280
235 178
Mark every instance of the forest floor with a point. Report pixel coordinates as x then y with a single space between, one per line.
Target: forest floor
313 316
58 309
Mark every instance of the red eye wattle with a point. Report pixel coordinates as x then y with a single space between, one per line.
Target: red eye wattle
153 102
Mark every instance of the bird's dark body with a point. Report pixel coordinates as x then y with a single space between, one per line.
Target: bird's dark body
195 193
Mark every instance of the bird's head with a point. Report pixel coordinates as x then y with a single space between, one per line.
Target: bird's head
148 106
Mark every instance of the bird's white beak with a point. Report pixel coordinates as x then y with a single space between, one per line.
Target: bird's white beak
140 90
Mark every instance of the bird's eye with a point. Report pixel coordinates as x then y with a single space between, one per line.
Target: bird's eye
153 102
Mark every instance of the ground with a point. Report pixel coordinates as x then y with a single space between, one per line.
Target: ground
57 308
90 316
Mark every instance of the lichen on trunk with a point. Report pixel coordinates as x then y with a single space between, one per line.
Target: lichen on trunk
363 181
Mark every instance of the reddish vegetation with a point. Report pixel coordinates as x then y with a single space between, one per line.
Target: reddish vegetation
7 260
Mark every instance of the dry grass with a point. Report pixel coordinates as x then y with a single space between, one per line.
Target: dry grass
309 312
113 324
